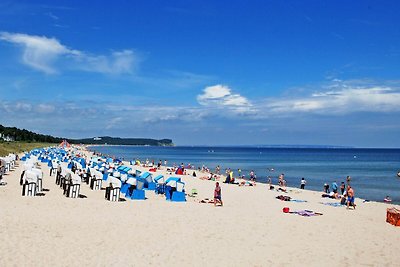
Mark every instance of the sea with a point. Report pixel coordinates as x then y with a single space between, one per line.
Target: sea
373 172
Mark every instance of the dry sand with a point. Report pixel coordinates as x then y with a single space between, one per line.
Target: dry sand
250 230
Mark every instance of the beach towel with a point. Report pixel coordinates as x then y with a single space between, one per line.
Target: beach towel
306 213
298 200
283 198
332 204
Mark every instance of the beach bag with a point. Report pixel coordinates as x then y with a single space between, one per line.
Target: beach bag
285 210
393 216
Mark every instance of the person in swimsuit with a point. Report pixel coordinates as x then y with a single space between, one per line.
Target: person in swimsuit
217 194
350 197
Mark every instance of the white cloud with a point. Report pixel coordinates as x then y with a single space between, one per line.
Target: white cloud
220 96
348 99
116 63
45 108
41 53
38 52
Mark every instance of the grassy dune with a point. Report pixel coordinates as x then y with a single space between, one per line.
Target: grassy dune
7 147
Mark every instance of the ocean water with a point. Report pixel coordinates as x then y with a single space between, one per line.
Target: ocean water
373 171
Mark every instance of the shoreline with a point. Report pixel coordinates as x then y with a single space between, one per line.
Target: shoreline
261 181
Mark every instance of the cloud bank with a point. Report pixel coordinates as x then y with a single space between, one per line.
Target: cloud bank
42 53
342 101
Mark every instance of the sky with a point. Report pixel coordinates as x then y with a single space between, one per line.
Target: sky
204 72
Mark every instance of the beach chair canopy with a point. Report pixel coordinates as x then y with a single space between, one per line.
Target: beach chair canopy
124 169
38 172
115 182
30 176
131 181
159 179
75 178
147 176
175 182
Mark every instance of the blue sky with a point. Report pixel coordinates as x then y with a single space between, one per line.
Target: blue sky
204 72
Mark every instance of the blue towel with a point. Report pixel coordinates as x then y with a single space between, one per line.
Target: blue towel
298 200
332 204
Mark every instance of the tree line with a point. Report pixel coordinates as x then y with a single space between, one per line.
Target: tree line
27 136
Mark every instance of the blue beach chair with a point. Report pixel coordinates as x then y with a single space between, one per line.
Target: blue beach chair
175 189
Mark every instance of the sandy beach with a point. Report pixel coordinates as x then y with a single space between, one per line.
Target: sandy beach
249 230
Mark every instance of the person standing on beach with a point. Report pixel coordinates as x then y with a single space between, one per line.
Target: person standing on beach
269 181
334 187
280 179
302 183
348 179
326 188
342 188
217 195
350 197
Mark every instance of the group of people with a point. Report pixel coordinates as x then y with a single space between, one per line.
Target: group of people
346 192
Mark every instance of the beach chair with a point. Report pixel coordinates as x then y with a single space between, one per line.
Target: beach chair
123 177
179 194
53 167
63 176
174 189
159 184
96 182
74 185
29 183
113 191
149 184
138 193
131 181
39 184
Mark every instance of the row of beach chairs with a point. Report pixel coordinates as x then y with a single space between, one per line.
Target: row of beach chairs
118 179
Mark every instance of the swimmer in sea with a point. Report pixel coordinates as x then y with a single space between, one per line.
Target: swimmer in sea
387 199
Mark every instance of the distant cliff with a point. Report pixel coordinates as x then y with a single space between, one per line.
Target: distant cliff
122 141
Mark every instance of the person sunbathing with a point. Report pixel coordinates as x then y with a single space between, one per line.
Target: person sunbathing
208 177
244 182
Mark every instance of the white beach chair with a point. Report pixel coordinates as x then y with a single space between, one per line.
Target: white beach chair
114 190
39 184
97 180
74 186
29 183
